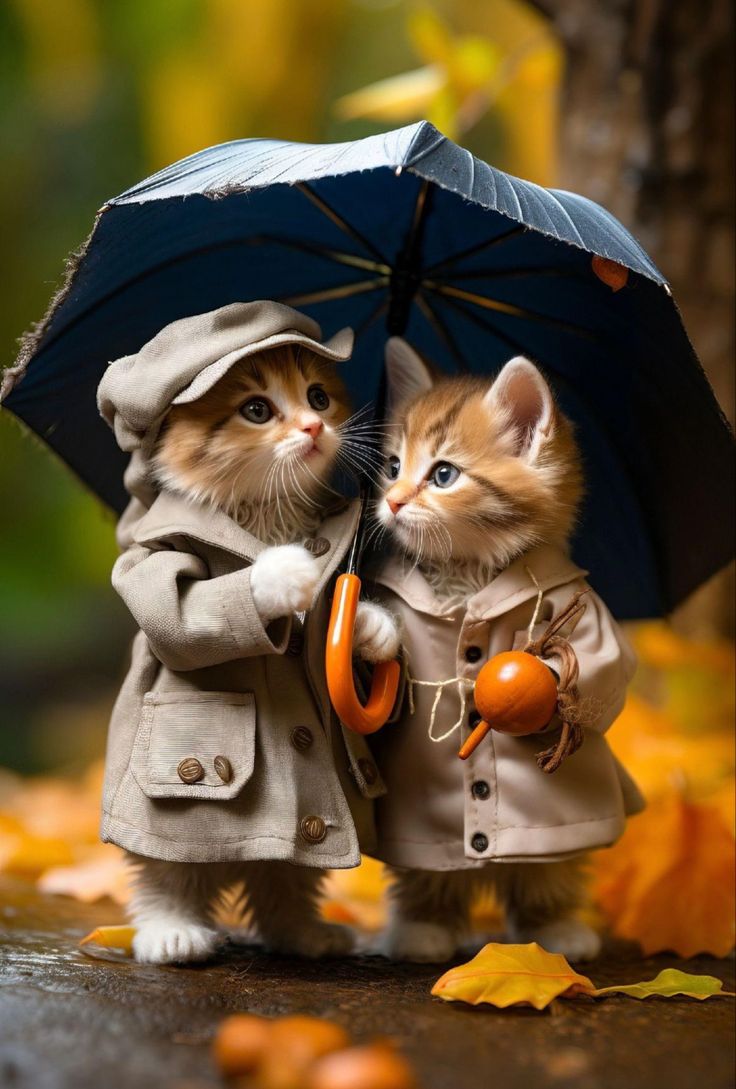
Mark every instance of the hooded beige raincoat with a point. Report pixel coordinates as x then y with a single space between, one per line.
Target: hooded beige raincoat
222 744
441 813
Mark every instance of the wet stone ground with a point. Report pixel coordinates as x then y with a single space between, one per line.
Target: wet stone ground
68 1021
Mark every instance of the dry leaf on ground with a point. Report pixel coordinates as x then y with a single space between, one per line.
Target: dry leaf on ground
669 983
527 975
111 937
511 975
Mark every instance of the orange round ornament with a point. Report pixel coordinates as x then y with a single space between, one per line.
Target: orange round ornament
515 693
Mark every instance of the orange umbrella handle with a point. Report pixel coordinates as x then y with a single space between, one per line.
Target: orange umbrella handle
339 666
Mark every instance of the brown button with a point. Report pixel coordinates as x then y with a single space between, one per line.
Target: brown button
313 829
224 768
318 546
302 738
190 770
295 645
473 654
368 770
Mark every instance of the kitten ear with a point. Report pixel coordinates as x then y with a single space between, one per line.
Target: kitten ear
522 394
406 374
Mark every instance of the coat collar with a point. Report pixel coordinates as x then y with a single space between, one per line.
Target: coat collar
550 566
172 514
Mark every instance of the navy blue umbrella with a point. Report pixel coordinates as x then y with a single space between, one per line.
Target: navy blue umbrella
408 233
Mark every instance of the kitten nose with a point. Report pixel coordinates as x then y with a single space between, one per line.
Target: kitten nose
313 428
395 505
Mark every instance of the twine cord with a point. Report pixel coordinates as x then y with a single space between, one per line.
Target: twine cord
462 684
550 644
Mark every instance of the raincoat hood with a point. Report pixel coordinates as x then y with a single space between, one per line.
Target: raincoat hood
180 364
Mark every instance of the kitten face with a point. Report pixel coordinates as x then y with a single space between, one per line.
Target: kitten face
475 470
268 429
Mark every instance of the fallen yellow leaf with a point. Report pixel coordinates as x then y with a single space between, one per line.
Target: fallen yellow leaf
111 937
669 982
511 975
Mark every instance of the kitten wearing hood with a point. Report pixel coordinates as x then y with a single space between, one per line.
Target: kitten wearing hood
259 445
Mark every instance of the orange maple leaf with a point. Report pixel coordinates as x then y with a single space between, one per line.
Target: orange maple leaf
669 883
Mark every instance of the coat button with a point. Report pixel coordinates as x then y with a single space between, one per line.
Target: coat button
318 546
313 829
368 770
190 770
224 768
480 790
479 842
473 719
302 738
295 645
473 654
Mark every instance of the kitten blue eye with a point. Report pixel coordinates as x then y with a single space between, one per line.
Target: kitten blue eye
393 465
317 398
444 474
257 411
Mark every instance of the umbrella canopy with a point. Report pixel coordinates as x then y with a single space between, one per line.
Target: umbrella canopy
408 233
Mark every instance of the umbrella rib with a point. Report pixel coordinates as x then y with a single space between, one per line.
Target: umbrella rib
441 329
380 308
340 291
421 207
510 309
515 273
339 221
487 326
478 247
327 252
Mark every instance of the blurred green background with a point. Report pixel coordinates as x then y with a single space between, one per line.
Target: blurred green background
96 95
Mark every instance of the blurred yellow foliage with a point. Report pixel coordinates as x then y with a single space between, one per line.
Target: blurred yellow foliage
238 61
65 65
509 65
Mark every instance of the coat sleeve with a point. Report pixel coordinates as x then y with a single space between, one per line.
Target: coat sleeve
605 659
193 620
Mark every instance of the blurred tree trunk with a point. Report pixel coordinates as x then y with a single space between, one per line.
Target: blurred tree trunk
647 130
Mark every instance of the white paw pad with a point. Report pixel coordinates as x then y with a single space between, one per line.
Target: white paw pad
173 943
376 633
283 580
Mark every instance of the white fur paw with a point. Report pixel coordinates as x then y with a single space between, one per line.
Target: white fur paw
315 939
376 633
283 580
575 940
424 943
173 943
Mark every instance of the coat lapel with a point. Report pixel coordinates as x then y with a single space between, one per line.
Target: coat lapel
514 585
172 514
548 565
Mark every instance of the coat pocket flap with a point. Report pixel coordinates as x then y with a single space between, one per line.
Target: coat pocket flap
195 744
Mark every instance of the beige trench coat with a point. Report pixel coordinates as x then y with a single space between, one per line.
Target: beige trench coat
441 813
207 680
